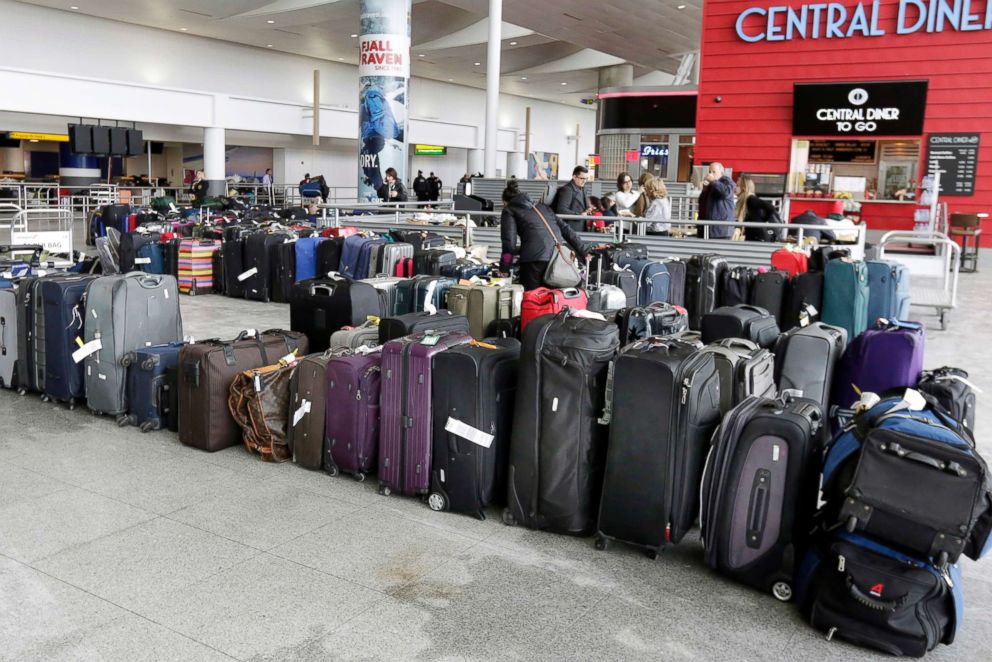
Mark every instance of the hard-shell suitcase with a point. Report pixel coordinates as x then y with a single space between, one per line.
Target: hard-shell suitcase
626 280
8 337
30 368
406 409
474 394
307 406
845 296
282 261
124 313
422 292
465 269
888 290
759 492
653 281
234 268
558 445
803 300
351 437
664 404
676 276
736 285
745 369
790 260
657 319
744 321
206 370
329 255
388 287
887 356
544 301
805 361
321 306
484 304
150 398
367 266
404 268
768 292
952 390
391 328
392 254
429 262
196 265
605 299
353 337
63 301
702 286
306 258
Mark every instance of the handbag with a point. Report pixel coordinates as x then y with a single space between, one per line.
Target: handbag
561 271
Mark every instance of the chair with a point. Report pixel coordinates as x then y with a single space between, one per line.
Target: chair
967 226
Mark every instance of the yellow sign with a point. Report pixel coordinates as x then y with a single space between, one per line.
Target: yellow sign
430 150
27 135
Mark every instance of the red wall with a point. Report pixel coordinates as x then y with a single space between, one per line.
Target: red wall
751 129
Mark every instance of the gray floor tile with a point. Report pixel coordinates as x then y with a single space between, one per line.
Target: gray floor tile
36 529
37 612
265 515
138 565
460 523
265 607
375 549
342 487
18 485
237 458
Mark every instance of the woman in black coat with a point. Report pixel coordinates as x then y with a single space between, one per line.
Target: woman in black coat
753 209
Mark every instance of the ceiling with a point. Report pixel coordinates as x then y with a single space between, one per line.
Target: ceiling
552 50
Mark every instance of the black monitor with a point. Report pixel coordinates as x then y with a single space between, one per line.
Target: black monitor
135 142
81 138
101 140
118 141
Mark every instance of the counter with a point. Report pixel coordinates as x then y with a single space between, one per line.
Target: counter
877 214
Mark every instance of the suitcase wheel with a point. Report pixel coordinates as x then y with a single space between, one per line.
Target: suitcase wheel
651 554
123 421
22 391
602 543
45 398
71 404
508 518
360 477
332 470
384 490
148 364
437 502
782 591
852 524
127 360
148 426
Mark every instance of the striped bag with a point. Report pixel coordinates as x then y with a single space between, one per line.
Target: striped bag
196 265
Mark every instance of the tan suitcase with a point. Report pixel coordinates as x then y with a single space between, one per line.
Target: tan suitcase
483 304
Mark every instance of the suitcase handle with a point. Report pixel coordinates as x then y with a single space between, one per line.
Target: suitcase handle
754 309
870 601
932 462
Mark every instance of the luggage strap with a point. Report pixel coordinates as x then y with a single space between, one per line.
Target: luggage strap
608 400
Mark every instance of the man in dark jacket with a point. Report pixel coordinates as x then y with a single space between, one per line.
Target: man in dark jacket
420 187
434 188
716 203
538 236
571 198
392 189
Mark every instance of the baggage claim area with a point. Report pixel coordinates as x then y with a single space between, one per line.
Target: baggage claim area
392 330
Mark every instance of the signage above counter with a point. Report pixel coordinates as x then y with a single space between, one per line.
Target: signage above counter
842 151
859 109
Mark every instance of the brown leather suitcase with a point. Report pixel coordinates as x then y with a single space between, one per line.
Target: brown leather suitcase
206 370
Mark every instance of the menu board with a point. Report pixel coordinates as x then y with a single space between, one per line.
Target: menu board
842 151
956 155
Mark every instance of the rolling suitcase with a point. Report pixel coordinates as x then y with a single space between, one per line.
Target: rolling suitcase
474 393
465 269
749 322
8 337
388 287
653 281
124 313
805 361
391 328
791 260
62 298
282 261
367 265
404 268
196 266
329 255
170 257
150 259
484 304
626 280
353 337
351 252
504 329
744 368
558 444
306 258
307 406
702 286
393 254
422 292
234 268
735 288
128 251
803 300
887 356
759 492
419 239
676 275
406 409
30 368
429 262
605 299
603 259
256 278
351 437
544 301
845 296
768 292
219 271
888 290
206 371
150 400
952 390
657 319
321 306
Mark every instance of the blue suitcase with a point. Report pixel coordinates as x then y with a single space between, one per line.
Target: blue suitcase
148 396
845 296
351 252
653 279
888 290
150 258
363 268
64 313
306 257
465 270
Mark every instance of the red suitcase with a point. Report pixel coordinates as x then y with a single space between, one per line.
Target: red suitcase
345 231
544 301
404 268
792 261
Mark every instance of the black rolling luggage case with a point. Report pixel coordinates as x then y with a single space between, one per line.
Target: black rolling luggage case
234 268
663 407
952 390
604 259
656 319
474 390
219 272
759 492
768 292
676 281
735 286
391 328
702 286
321 306
558 445
805 359
329 255
170 257
257 263
803 300
742 321
282 261
745 369
429 262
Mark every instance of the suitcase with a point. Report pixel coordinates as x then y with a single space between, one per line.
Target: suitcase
329 255
749 322
803 300
422 293
351 252
653 281
845 296
321 306
107 254
387 287
30 368
657 319
124 313
196 266
745 369
150 259
64 313
206 371
282 261
257 261
952 390
8 337
544 301
393 253
805 361
353 337
257 400
170 257
420 240
624 279
888 290
341 233
735 287
473 397
351 438
820 255
307 406
219 273
406 409
150 397
464 269
676 275
234 268
605 299
367 266
504 329
702 286
768 292
790 260
663 406
484 304
759 492
306 258
404 268
128 251
603 259
430 262
391 328
558 445
887 356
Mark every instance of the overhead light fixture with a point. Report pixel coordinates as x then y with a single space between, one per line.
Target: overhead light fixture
354 36
513 43
420 55
564 83
270 22
523 78
33 140
341 59
183 29
451 80
478 64
681 7
268 45
74 7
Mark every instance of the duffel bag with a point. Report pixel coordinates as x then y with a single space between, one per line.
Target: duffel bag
259 403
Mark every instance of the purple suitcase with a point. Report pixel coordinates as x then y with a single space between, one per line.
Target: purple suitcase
351 432
406 429
888 355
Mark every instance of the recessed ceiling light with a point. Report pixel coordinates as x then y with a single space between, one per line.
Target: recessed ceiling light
681 7
33 140
270 22
478 64
564 83
341 59
183 29
354 36
523 78
268 45
74 7
420 55
513 43
451 80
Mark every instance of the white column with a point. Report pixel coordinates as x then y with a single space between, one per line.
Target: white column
516 165
492 83
476 163
213 159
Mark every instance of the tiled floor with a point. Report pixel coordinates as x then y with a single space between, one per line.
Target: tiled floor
117 545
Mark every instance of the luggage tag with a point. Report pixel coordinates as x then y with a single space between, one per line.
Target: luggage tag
86 349
301 411
247 274
430 340
466 431
142 260
258 383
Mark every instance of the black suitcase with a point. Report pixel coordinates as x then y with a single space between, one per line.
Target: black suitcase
768 292
663 407
170 257
329 255
504 328
220 274
257 264
320 306
676 281
803 300
29 370
391 328
604 258
172 391
702 286
735 286
952 390
759 492
282 266
474 389
625 279
744 321
745 369
805 359
430 262
558 445
234 268
421 240
655 319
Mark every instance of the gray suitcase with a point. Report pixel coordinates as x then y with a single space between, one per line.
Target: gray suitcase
125 313
387 292
391 255
745 369
484 304
353 337
605 298
805 359
8 336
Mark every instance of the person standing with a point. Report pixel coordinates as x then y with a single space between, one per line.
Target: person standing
640 206
659 207
267 184
716 203
392 189
570 198
420 187
434 188
753 209
625 196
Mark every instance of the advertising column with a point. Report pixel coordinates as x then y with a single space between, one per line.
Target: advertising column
384 76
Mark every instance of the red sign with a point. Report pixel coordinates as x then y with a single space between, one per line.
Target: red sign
633 154
594 159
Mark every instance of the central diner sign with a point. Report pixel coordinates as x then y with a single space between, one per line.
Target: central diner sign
859 109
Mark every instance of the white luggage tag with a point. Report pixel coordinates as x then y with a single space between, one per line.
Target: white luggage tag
301 411
466 431
91 347
142 260
247 274
588 314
